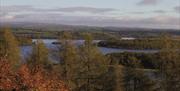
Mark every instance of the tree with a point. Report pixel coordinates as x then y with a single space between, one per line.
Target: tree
39 56
9 47
7 76
135 79
39 81
69 60
93 65
169 65
24 80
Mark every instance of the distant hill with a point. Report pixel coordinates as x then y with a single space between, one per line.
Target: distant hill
61 27
47 26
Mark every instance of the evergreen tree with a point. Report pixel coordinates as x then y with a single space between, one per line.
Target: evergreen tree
130 75
9 47
136 79
39 56
169 65
93 65
69 60
109 80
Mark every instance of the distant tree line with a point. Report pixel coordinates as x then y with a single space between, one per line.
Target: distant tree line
145 43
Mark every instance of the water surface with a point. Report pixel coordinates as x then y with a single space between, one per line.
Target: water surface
26 50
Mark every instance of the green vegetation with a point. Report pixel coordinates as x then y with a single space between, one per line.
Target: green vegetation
9 47
49 31
24 41
145 43
69 63
85 68
81 66
77 34
146 60
39 56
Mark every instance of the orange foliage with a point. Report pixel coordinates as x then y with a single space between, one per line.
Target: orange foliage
25 80
39 82
7 77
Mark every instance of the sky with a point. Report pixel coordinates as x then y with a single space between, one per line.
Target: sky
118 13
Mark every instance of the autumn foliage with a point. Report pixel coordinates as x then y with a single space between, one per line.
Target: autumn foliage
24 80
7 77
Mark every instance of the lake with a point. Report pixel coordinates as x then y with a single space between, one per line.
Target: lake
26 50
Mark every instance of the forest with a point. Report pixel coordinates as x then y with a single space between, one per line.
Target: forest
141 43
84 67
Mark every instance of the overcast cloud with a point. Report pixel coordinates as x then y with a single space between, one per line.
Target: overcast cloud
177 9
148 2
81 15
68 9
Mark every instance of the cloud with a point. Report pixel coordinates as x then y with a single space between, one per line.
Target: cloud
16 9
159 11
5 16
148 2
154 11
138 12
100 20
86 9
177 9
